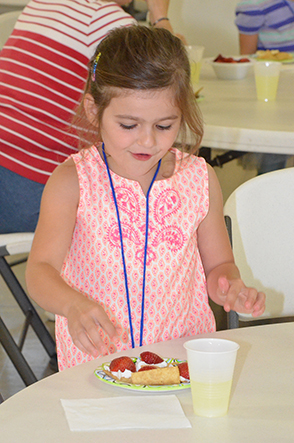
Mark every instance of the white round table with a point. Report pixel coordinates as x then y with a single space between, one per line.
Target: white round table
261 408
235 120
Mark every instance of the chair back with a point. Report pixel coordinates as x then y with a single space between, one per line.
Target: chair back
7 22
209 23
262 223
13 244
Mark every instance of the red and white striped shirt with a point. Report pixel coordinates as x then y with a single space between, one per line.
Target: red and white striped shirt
43 68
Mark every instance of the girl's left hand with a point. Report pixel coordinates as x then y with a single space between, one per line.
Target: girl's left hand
237 297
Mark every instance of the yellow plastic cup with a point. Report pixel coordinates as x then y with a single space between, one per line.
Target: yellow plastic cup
195 54
266 79
211 365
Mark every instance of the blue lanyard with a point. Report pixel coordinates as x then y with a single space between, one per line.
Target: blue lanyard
123 254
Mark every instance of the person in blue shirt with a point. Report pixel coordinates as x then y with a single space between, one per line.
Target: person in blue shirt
266 24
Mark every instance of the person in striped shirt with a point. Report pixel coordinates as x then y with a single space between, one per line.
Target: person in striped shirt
265 24
43 69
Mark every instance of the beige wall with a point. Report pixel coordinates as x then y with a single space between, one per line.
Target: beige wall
12 5
209 23
140 5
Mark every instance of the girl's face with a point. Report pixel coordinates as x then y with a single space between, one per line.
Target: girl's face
138 129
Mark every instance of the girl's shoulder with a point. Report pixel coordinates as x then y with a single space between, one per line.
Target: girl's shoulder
62 188
64 177
185 160
65 171
85 154
87 159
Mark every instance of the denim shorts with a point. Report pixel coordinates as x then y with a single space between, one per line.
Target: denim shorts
19 202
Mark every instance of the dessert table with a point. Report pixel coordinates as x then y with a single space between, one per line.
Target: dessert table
235 120
261 408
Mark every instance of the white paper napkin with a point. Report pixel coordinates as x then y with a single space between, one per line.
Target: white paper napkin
154 412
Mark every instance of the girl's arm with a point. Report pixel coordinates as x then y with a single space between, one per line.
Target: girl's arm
51 242
248 44
224 284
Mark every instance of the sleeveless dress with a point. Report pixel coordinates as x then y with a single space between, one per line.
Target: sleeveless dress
176 300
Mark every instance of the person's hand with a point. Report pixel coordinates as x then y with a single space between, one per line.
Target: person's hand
237 297
85 318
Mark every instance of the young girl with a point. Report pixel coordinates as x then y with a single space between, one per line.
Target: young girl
131 238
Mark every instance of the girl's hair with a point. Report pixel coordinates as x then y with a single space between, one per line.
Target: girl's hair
140 58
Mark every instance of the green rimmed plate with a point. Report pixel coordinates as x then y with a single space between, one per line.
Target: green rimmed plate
200 98
284 62
101 375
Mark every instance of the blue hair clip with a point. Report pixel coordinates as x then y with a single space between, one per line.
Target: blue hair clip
95 65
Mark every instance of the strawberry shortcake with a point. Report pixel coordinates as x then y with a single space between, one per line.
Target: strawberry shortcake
148 369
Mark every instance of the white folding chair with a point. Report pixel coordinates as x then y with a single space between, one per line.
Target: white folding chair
10 245
7 22
260 219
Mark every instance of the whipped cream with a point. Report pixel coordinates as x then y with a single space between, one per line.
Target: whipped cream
183 379
120 374
140 364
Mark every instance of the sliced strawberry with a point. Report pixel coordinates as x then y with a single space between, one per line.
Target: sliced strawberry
147 368
219 58
184 370
150 358
230 60
121 364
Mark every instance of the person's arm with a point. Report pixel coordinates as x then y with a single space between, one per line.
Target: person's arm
158 9
248 44
51 242
224 284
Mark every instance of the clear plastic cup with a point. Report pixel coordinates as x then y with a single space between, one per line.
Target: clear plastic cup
195 54
266 79
211 365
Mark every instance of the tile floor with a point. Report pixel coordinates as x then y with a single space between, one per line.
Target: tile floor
230 175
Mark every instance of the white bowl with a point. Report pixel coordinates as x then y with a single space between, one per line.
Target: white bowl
230 71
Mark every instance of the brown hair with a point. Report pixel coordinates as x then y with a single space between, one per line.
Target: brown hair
140 58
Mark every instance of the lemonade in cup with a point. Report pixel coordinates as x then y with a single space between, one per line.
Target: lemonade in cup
266 79
195 54
211 365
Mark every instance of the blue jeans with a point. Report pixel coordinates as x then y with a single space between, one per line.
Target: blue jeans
272 162
19 202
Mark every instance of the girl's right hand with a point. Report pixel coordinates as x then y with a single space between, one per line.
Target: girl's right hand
85 317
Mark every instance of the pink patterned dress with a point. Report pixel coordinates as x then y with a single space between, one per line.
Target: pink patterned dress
176 301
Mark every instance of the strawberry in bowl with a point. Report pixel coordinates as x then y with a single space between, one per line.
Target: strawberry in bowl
230 68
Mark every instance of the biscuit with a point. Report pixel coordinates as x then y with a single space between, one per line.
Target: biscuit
169 375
